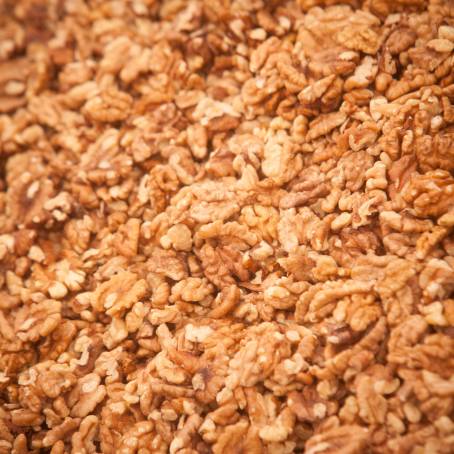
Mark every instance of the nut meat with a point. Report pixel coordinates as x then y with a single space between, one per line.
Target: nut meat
226 226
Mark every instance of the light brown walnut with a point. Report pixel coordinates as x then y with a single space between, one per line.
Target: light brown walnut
118 294
226 226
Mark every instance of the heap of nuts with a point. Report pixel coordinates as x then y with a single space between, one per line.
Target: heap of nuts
226 226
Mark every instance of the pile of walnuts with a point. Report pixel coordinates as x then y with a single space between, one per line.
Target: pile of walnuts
226 226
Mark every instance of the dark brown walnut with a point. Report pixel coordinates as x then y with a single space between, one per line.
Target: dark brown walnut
437 152
400 40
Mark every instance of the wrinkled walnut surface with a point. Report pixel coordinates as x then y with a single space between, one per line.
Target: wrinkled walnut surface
226 226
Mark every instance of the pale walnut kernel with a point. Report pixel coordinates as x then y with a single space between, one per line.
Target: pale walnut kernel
342 439
110 106
118 294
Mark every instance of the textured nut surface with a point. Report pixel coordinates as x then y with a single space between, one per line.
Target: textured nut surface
227 227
